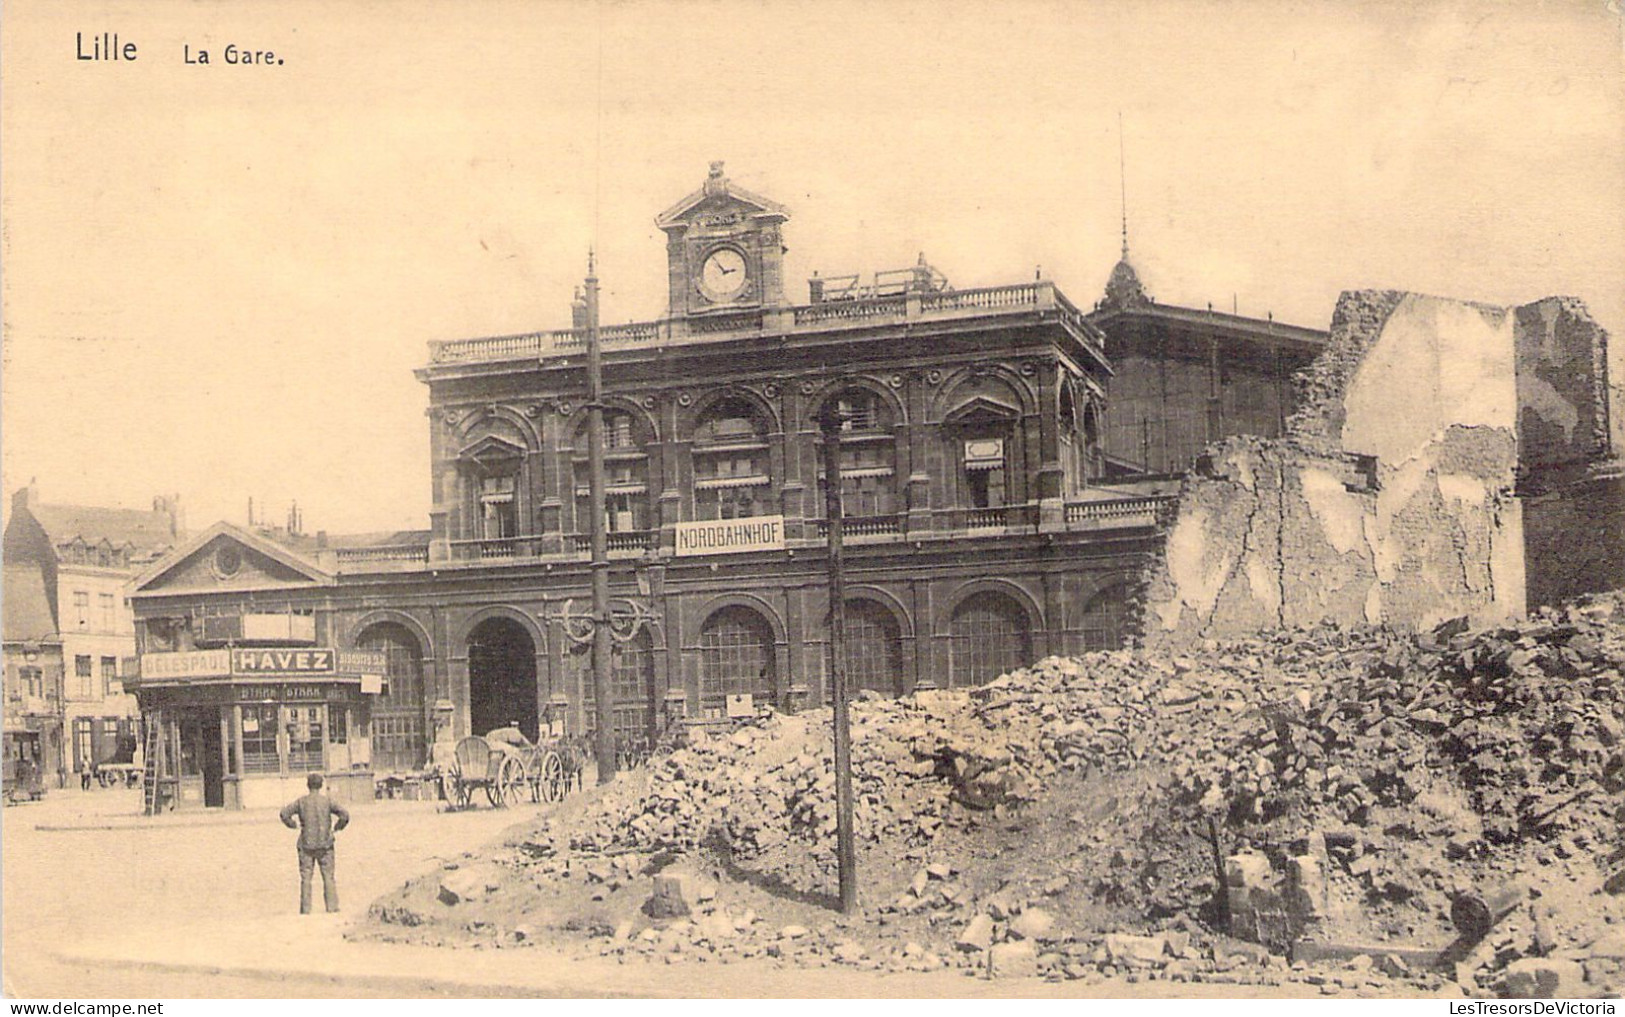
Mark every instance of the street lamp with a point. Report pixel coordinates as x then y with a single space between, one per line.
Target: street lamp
830 421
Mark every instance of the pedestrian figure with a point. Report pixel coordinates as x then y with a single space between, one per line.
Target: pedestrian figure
84 777
316 827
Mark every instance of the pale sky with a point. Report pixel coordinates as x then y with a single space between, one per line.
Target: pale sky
218 279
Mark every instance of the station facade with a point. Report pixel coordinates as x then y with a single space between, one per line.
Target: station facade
987 521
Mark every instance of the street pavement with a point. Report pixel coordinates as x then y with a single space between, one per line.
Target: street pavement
100 902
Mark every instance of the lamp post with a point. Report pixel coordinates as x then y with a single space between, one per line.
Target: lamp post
830 420
604 735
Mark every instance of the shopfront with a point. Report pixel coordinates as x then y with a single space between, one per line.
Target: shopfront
241 728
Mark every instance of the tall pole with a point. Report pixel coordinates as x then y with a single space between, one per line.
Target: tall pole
829 421
604 735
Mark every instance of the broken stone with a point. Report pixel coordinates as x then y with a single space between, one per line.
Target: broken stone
1138 949
1542 978
977 935
1033 923
1013 959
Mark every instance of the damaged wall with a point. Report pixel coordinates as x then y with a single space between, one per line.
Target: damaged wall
1394 497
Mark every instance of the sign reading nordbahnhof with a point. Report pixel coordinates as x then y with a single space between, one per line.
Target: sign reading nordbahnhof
730 536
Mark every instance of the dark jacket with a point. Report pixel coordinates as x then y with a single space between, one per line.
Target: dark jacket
316 812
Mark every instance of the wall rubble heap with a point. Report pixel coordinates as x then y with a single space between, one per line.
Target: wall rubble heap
1446 459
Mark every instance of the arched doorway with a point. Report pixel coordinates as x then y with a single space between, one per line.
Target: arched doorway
502 677
736 658
397 715
989 635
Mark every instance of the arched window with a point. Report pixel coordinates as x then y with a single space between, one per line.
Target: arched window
874 651
733 476
868 457
632 672
626 479
397 714
1105 618
989 635
736 658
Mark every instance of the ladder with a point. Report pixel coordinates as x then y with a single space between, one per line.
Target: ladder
150 769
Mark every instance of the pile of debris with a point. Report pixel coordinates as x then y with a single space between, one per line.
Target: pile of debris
1361 783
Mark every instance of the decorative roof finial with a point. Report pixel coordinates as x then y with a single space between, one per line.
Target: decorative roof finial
1122 181
715 182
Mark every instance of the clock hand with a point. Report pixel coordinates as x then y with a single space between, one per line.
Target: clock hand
726 271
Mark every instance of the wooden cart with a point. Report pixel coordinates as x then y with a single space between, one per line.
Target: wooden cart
504 763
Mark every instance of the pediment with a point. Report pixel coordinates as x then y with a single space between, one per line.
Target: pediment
720 203
225 557
981 408
491 449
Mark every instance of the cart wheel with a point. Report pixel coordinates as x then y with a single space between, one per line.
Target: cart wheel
551 780
462 792
504 789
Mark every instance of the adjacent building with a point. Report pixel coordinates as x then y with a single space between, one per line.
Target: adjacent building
69 632
996 511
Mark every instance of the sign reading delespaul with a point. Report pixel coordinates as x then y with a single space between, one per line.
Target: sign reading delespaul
731 536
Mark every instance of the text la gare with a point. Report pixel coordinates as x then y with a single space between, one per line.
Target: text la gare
232 54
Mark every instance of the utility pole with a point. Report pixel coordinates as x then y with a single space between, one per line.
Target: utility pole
604 736
829 422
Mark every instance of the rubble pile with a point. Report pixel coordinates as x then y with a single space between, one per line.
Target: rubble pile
1088 817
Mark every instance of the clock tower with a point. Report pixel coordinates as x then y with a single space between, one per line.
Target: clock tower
724 251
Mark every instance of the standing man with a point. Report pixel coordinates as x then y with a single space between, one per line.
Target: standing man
316 813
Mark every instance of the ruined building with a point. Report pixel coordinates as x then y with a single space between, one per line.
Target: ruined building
1446 459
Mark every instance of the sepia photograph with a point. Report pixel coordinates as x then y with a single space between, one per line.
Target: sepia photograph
741 499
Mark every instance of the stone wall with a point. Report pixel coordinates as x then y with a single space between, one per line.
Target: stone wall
1398 494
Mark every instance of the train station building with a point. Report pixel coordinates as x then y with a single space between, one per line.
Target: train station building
1007 463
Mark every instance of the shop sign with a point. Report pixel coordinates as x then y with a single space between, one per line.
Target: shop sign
185 664
730 536
280 692
282 661
363 662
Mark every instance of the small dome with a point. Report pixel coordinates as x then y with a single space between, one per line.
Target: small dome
1123 289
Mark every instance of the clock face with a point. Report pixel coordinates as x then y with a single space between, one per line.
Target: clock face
724 274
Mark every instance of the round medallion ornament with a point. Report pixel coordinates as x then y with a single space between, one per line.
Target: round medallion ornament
895 381
770 390
807 388
684 399
933 377
227 561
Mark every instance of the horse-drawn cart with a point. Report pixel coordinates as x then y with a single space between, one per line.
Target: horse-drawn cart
504 763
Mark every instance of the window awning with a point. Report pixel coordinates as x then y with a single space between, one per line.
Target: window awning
710 483
583 492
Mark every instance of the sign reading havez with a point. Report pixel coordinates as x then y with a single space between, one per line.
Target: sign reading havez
730 536
221 663
306 661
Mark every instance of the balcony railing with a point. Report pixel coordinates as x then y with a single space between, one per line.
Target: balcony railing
864 526
850 310
619 541
1121 512
499 547
382 553
1040 296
